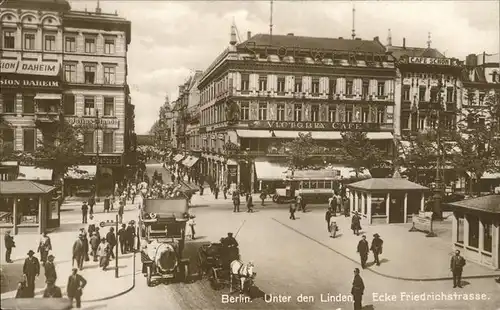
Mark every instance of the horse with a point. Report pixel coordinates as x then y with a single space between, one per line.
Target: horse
240 271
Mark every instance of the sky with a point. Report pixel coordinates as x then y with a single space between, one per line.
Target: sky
172 39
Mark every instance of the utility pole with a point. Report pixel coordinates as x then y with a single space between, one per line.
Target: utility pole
97 126
116 247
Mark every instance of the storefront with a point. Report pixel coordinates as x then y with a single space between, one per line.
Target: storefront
28 207
8 170
476 229
80 180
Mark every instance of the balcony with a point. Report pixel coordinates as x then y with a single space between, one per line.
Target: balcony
46 117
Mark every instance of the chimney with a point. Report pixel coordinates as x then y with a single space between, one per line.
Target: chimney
404 42
98 8
341 38
233 40
376 39
249 35
290 34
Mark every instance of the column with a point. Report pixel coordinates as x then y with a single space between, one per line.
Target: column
238 175
40 214
481 235
406 208
369 207
252 177
422 202
355 206
14 216
260 185
363 203
466 230
494 247
351 200
454 228
387 206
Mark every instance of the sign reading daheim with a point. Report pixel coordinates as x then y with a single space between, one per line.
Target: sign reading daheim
29 67
315 125
104 123
28 82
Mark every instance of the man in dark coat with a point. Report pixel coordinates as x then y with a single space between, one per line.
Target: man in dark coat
85 209
31 270
293 208
236 200
356 224
130 237
457 264
50 269
358 288
216 191
363 251
91 204
111 239
76 283
249 203
94 244
122 238
9 244
328 216
376 247
52 291
231 245
79 252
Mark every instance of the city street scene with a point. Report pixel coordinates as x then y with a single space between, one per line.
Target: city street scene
249 155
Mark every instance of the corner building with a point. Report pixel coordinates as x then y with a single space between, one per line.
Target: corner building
263 92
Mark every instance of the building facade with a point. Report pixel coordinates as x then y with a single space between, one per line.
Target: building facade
62 64
263 92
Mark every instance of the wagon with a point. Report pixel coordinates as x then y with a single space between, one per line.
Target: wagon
213 264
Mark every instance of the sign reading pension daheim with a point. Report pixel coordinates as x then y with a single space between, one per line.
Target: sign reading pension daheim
29 67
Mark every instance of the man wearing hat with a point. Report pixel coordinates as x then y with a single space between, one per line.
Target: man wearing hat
376 247
31 270
52 291
122 232
358 289
111 239
76 283
50 269
85 209
9 244
363 250
130 237
44 246
94 244
79 252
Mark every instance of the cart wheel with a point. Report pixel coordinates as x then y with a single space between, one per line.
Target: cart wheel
279 200
148 275
186 273
201 271
214 281
275 198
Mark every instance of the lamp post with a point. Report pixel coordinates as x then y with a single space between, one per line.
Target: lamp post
97 126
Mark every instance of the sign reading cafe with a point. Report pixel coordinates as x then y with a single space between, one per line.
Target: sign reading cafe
315 125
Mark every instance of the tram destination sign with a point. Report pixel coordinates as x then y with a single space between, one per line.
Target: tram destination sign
336 126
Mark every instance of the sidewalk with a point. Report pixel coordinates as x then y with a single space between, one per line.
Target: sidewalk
62 241
406 255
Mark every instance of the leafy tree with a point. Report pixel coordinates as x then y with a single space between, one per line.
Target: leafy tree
359 152
300 150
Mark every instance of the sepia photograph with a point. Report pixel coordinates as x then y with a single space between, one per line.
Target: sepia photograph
258 154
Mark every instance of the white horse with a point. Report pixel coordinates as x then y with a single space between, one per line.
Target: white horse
240 271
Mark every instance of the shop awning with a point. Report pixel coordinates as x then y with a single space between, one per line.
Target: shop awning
186 161
379 136
326 135
231 162
44 96
328 173
81 173
178 158
9 163
244 133
286 134
268 171
34 174
192 161
488 175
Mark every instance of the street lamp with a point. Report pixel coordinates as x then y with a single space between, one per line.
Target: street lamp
97 126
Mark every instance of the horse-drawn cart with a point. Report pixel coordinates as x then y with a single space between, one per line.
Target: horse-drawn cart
162 225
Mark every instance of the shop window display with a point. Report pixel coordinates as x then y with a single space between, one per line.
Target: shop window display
6 211
27 211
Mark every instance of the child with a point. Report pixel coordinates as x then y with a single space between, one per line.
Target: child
333 229
191 224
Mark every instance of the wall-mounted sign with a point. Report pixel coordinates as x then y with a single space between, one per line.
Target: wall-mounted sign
29 67
433 61
30 82
315 125
104 123
103 160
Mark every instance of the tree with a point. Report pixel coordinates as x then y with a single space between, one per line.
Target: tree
359 152
60 150
300 150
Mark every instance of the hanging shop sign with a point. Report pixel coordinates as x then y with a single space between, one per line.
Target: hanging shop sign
32 82
104 123
29 67
336 126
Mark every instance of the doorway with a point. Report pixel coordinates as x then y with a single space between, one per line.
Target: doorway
396 208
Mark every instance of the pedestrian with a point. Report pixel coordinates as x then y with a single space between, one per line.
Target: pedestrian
356 224
120 212
122 233
358 289
104 253
172 178
9 244
31 270
107 202
201 190
98 234
293 208
345 206
91 204
457 264
191 224
52 291
78 252
111 239
75 286
363 251
216 191
50 269
333 229
262 198
376 247
236 200
332 204
130 237
44 246
249 203
94 245
85 209
22 290
224 190
85 241
328 216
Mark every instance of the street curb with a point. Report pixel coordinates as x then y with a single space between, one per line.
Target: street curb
383 274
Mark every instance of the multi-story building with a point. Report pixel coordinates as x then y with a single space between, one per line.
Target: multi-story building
57 62
262 92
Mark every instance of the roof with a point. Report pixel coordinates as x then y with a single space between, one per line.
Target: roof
399 51
292 41
24 187
165 208
489 203
45 5
386 184
34 173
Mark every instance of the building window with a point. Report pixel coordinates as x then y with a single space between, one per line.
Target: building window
9 103
245 82
297 115
380 89
405 120
245 111
348 87
473 231
69 104
109 75
380 115
262 83
70 73
262 111
281 84
109 106
109 46
365 88
348 114
29 41
315 86
470 97
332 111
70 44
406 94
449 94
421 93
487 235
89 45
481 98
90 74
88 142
298 84
107 142
365 112
281 112
460 229
50 42
9 39
29 140
88 108
315 113
421 122
434 94
28 104
333 85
